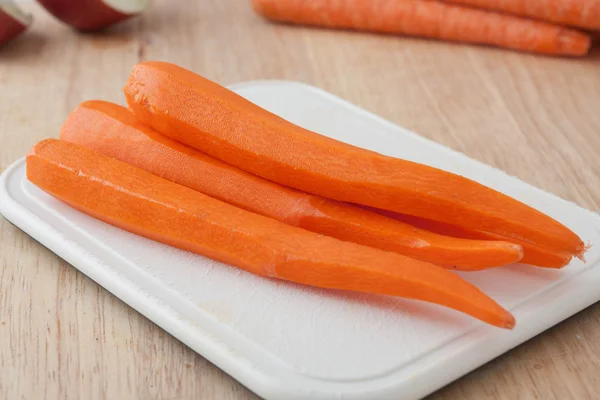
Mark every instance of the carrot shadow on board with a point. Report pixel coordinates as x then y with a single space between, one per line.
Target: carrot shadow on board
544 274
445 317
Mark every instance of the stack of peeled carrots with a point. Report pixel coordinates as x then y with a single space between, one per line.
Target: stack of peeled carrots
193 165
552 27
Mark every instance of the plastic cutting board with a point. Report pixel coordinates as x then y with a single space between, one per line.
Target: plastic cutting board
286 341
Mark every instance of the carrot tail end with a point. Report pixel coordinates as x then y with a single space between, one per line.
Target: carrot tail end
581 255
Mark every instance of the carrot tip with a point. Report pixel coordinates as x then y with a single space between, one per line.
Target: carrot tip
509 323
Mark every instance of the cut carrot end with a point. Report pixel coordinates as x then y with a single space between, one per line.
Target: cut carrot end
574 43
521 251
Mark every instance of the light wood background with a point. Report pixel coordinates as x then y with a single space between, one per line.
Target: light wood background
64 337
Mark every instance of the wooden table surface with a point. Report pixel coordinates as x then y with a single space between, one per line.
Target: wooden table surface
64 337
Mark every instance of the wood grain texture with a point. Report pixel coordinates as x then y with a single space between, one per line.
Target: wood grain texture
64 337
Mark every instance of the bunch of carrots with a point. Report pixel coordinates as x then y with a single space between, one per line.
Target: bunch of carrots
553 27
194 165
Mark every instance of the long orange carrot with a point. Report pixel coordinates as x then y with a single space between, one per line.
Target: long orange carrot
210 118
145 204
579 13
430 19
532 255
114 131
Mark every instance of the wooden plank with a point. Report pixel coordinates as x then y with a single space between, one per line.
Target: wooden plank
64 337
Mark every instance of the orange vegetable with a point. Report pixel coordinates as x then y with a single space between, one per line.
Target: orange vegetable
532 255
430 19
114 131
145 204
212 119
580 13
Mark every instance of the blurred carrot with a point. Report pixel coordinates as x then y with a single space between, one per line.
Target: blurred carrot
430 19
580 13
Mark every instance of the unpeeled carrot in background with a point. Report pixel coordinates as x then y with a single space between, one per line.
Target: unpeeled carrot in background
430 19
150 206
579 13
115 132
200 113
532 255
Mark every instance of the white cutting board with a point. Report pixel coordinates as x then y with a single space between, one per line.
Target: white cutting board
286 341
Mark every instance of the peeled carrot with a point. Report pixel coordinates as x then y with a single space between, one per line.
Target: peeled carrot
532 255
579 13
430 19
150 206
115 132
195 111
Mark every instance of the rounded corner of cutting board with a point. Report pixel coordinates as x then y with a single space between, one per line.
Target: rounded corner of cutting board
7 198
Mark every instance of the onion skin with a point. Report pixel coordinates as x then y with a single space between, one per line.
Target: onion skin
84 15
10 27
